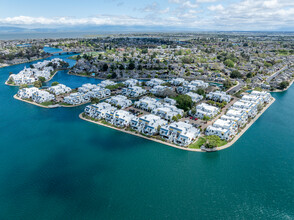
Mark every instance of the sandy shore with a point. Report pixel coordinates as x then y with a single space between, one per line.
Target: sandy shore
184 148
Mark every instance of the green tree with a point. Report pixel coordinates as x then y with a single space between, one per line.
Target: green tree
42 79
184 102
131 66
283 85
104 67
38 84
227 84
229 63
54 83
23 86
236 74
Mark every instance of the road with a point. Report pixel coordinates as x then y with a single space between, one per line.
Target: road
276 74
235 89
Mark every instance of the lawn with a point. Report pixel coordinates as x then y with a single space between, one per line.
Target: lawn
203 140
198 143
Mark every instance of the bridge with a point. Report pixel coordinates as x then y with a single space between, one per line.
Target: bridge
65 52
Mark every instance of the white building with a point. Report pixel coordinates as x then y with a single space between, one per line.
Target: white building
27 93
178 81
157 89
168 111
219 96
95 110
249 108
147 104
119 101
134 91
30 75
199 84
195 97
107 83
170 101
122 118
131 82
154 82
59 89
75 99
223 133
225 129
206 110
179 133
87 87
264 95
148 124
240 116
41 96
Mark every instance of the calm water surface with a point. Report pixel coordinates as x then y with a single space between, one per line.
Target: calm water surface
55 166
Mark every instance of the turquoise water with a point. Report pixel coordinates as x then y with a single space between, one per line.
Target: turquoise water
55 166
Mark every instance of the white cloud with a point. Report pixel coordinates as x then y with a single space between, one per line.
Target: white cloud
216 7
164 11
188 4
205 1
242 15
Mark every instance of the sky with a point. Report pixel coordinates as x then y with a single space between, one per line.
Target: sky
214 15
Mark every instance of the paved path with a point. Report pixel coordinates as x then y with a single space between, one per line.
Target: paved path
236 88
276 74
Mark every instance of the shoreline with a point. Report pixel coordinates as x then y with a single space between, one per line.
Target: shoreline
49 106
51 77
235 139
25 62
139 135
290 84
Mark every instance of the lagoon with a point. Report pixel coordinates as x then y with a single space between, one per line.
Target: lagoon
55 166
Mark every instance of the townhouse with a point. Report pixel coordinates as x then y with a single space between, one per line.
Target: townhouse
75 98
59 89
225 129
107 83
95 110
264 95
180 133
147 104
148 124
223 133
26 93
41 96
157 89
30 75
249 108
205 110
134 91
178 81
122 118
170 101
167 111
131 82
252 98
154 82
119 101
195 97
199 84
219 96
